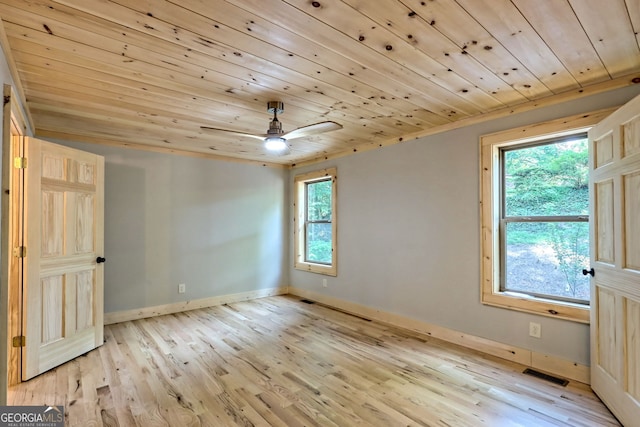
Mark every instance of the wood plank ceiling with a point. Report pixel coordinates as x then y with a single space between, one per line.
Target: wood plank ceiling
150 73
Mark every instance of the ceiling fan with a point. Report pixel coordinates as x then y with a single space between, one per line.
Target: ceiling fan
276 139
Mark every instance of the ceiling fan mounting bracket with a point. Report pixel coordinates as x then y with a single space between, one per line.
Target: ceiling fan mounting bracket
275 107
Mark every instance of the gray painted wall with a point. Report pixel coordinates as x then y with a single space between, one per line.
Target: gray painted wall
219 227
409 235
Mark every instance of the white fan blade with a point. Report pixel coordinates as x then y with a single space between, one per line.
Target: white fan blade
312 130
282 152
233 132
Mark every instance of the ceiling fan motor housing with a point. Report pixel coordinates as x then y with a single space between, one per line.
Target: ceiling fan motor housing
275 127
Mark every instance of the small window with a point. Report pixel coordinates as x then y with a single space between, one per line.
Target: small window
315 221
534 217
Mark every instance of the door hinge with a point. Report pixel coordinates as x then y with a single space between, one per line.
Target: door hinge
19 341
20 162
20 252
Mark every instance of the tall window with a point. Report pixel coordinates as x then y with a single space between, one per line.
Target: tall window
534 214
318 220
315 221
544 228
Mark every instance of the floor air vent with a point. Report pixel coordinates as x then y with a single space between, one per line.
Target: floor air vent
307 301
546 377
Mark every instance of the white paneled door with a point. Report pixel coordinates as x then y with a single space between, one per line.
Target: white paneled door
615 258
62 311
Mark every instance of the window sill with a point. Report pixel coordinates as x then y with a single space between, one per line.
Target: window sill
567 311
328 270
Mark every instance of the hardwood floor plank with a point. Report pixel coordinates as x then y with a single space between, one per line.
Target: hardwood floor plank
278 361
258 406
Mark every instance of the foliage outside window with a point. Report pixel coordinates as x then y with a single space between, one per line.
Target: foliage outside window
315 221
534 214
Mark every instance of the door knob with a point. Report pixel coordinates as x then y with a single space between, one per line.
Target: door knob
100 259
590 271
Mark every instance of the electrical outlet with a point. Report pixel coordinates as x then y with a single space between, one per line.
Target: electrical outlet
535 330
324 283
182 288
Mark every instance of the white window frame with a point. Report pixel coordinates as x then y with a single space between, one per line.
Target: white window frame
490 146
299 226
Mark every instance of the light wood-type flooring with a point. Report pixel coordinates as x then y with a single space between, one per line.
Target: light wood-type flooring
278 361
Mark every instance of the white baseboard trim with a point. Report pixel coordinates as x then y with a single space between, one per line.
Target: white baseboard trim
543 362
158 310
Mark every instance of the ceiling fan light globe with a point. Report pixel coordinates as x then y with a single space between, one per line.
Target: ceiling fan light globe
275 143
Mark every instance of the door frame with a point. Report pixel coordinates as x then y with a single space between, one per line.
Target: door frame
13 124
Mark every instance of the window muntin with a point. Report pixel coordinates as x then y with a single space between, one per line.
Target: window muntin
544 231
315 221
